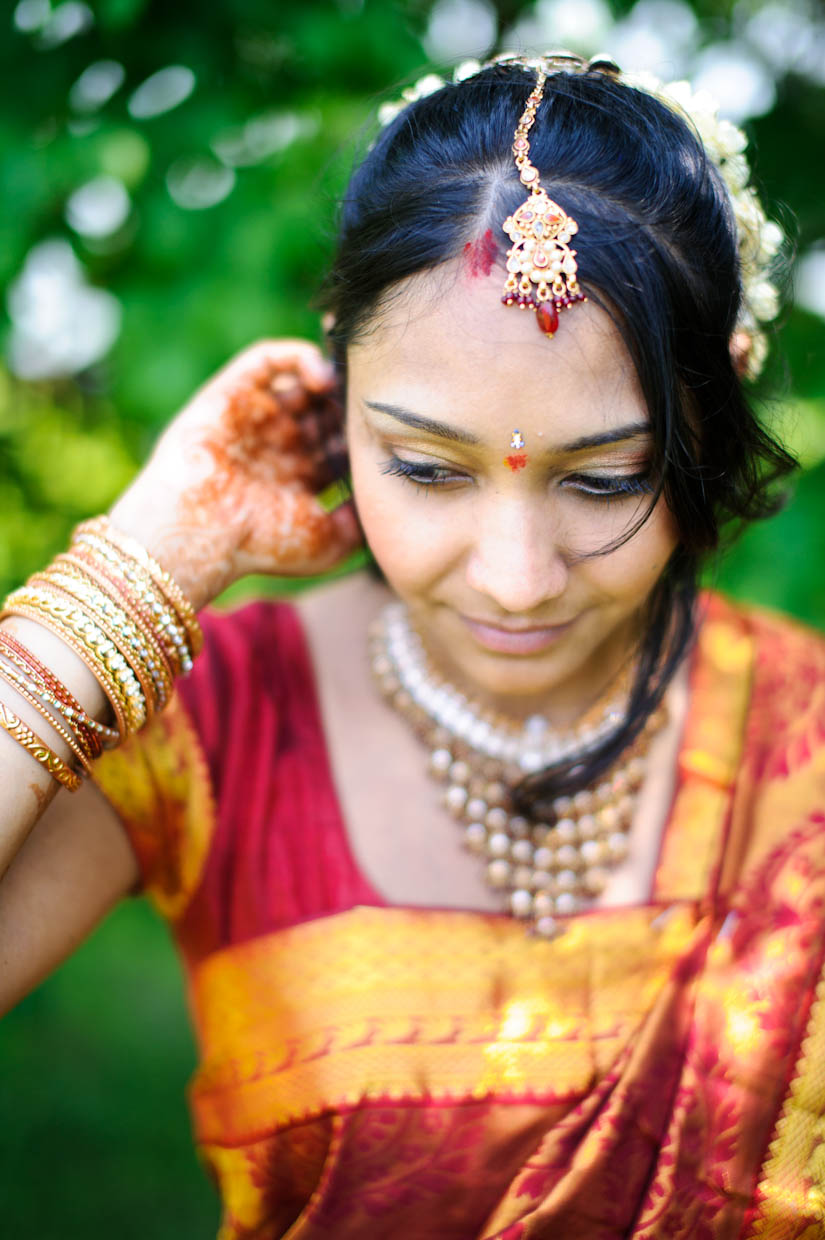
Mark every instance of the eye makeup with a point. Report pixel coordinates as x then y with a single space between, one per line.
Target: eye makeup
425 474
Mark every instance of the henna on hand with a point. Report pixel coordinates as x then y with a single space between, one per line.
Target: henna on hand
253 449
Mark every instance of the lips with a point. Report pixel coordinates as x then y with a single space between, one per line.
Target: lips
502 639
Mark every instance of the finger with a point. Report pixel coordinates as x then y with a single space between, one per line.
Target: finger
264 361
303 538
348 527
301 358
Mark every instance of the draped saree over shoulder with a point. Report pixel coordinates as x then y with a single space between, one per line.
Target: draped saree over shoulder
371 1071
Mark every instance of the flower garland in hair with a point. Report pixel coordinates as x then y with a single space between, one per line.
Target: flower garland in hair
759 239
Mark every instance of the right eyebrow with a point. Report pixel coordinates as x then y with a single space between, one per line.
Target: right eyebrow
430 427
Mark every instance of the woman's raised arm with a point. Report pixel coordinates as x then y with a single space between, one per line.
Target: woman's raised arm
231 488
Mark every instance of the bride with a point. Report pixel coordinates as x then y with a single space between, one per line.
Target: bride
497 870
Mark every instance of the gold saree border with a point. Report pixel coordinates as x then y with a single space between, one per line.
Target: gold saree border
159 785
709 755
403 1005
791 1192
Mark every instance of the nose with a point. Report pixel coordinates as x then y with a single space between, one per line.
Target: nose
515 559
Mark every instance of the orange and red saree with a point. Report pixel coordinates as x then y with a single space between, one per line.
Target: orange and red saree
369 1071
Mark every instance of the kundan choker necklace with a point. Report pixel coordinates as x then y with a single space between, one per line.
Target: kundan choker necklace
543 869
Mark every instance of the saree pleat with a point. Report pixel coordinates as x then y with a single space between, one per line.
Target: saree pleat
657 1072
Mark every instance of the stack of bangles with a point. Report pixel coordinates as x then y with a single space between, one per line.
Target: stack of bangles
129 622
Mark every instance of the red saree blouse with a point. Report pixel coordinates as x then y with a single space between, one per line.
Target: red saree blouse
373 1071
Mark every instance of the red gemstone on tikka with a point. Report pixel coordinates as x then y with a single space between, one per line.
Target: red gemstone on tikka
547 317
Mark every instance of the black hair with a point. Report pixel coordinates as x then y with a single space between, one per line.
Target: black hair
657 249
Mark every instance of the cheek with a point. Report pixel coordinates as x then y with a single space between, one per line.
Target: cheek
411 544
630 572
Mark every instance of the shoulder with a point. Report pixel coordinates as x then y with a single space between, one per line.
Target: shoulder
785 662
786 653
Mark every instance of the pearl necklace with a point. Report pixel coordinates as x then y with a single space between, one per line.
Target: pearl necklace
543 869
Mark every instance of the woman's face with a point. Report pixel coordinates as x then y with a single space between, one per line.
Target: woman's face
483 538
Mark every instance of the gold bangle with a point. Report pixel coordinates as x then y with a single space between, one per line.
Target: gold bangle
170 589
168 628
88 628
94 734
73 742
83 559
112 620
19 604
38 749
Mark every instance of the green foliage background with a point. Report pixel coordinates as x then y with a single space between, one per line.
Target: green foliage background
94 1136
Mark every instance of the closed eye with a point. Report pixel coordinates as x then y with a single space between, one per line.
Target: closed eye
420 472
599 487
590 486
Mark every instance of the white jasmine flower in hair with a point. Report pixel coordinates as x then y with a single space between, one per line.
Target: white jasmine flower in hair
427 85
771 241
699 106
467 69
736 172
746 321
763 300
680 93
643 80
756 356
730 139
726 149
749 216
387 112
758 238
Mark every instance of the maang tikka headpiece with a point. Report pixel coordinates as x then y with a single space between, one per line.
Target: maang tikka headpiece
758 238
541 267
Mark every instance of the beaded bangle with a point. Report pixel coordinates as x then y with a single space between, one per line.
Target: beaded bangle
125 664
166 625
167 585
95 734
84 560
13 677
38 749
87 641
123 615
163 580
115 623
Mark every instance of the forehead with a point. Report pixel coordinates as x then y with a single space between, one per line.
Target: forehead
444 346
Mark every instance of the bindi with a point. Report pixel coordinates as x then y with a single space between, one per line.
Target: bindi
479 255
516 460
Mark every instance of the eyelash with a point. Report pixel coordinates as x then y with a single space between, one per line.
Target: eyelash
417 472
596 488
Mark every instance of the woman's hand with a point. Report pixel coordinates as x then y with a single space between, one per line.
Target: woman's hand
231 486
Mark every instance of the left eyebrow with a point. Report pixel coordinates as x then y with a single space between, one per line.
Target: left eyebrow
419 423
633 430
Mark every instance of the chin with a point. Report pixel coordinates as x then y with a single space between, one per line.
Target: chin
586 653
